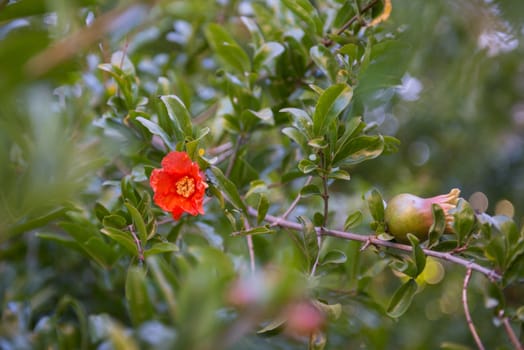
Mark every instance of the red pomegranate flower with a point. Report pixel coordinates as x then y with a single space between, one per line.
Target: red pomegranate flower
179 185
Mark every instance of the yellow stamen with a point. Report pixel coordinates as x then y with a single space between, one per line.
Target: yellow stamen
185 186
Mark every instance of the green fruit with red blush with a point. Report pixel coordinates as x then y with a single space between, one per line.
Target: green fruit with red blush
406 213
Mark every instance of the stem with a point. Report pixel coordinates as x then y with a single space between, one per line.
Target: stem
139 248
325 198
249 239
346 25
234 155
250 247
491 274
294 203
511 334
466 310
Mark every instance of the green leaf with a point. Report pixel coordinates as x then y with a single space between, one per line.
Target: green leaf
405 266
352 50
301 120
463 220
229 189
90 241
257 38
507 227
68 303
306 166
262 208
352 128
180 116
418 254
160 248
333 311
402 298
339 174
496 251
325 60
266 53
330 104
334 256
353 220
359 149
22 9
61 239
192 147
261 230
120 338
375 204
157 130
165 280
40 221
265 115
227 49
100 251
318 143
439 225
137 296
256 187
128 189
306 12
274 326
139 224
391 145
100 211
310 190
520 314
383 236
296 136
121 60
122 238
115 221
310 239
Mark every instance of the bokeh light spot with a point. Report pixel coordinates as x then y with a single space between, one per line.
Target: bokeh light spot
504 207
419 153
433 272
479 202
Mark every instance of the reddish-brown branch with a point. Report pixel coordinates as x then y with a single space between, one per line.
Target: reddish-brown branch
250 247
372 240
471 326
511 334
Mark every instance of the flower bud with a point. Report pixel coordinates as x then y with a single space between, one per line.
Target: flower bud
303 318
407 213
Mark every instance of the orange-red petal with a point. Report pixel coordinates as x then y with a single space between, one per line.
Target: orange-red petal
176 166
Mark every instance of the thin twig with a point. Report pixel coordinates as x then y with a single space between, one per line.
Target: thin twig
509 330
250 246
220 149
294 203
232 161
346 25
471 326
325 198
66 48
234 155
138 244
491 274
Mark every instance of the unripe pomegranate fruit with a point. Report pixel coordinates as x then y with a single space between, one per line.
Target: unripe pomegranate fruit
407 213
